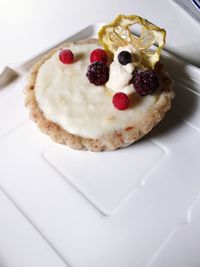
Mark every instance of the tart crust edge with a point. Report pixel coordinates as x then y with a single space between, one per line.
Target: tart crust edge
113 140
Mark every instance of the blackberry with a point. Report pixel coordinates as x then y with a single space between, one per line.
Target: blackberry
124 57
98 73
145 82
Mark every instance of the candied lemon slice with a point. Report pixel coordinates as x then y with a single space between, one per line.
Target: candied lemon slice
149 43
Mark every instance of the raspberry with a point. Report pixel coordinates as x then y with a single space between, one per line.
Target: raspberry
99 55
97 73
124 57
120 101
145 82
66 56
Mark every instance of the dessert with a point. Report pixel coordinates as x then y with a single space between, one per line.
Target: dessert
102 94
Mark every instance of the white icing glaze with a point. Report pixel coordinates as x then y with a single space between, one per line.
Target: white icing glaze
67 98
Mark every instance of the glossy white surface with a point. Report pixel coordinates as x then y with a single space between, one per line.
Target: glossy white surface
21 243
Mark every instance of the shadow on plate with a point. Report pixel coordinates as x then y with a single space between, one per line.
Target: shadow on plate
185 102
7 76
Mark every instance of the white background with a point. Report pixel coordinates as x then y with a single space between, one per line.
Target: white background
44 220
28 26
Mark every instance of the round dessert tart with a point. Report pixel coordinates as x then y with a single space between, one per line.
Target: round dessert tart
94 105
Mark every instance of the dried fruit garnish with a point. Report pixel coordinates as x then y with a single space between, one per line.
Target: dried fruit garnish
117 34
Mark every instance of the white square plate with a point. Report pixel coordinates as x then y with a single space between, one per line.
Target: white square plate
138 206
